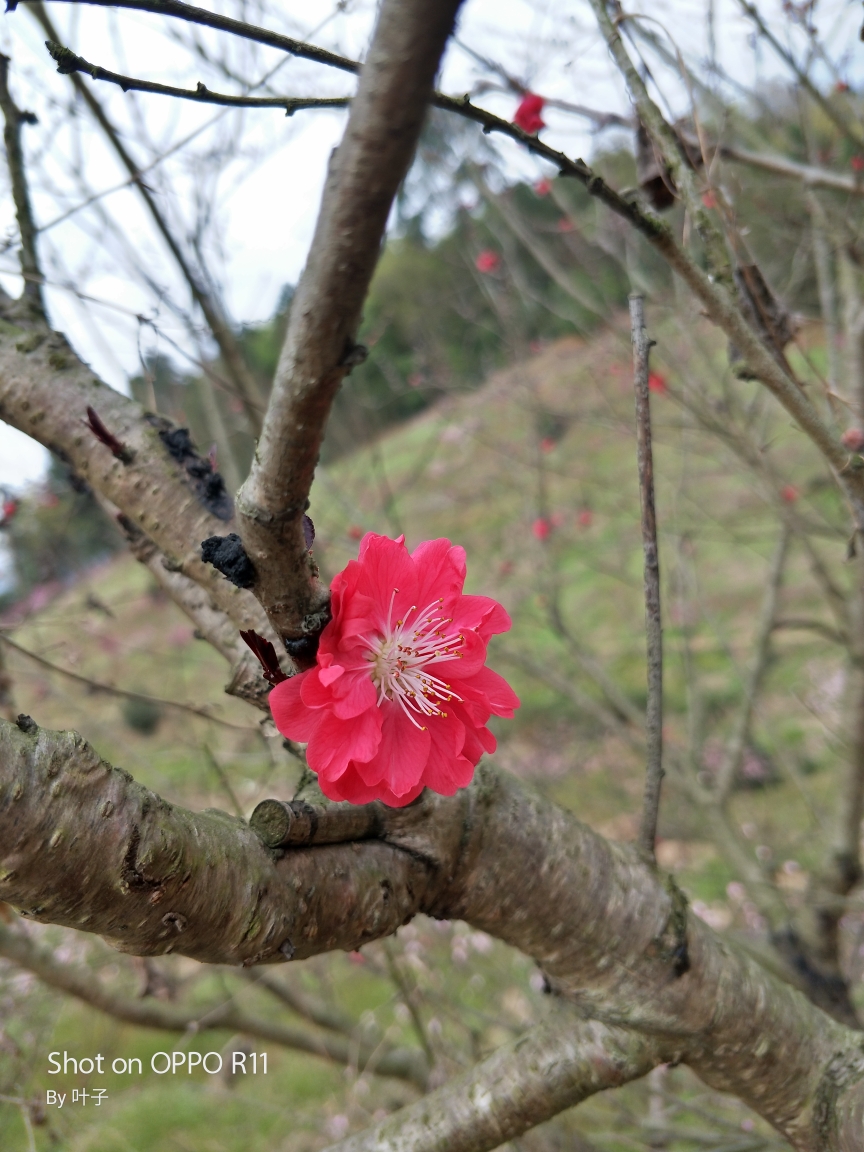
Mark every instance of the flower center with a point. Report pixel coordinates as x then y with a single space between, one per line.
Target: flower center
401 656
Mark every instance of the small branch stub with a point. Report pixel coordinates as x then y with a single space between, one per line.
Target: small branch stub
282 823
653 625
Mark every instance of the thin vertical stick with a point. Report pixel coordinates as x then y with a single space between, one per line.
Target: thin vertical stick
653 627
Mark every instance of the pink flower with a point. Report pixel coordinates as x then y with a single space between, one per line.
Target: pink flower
657 383
543 187
709 199
487 261
857 163
565 224
585 518
541 528
355 532
527 115
853 439
400 695
547 444
788 494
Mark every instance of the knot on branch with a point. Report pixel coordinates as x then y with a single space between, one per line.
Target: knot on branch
228 556
207 482
27 723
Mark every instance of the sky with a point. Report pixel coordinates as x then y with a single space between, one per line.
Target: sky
255 178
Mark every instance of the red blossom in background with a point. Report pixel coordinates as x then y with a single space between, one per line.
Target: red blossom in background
487 261
527 115
547 444
543 187
355 532
709 199
657 383
853 439
400 694
585 518
565 224
857 163
789 494
9 508
541 528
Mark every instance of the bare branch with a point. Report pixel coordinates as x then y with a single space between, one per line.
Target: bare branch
520 1085
242 379
14 120
69 62
809 175
836 117
653 623
404 1063
122 693
223 24
734 754
319 351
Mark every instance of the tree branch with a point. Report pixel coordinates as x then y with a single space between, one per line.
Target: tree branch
653 622
319 351
69 62
241 378
123 693
14 119
81 844
404 1063
520 1085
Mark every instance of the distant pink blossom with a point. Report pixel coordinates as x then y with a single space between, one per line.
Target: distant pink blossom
400 694
585 518
527 115
547 444
789 494
543 187
657 383
487 261
541 528
853 439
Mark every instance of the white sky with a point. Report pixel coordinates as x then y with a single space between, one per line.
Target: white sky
268 190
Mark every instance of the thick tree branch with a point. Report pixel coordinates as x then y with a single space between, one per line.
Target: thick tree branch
319 351
520 1085
81 844
68 62
404 1063
168 494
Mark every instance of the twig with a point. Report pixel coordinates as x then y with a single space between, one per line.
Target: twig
224 781
14 118
110 690
762 649
406 994
403 1063
786 56
244 382
653 625
69 62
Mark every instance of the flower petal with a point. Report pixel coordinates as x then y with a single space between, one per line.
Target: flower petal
291 715
401 755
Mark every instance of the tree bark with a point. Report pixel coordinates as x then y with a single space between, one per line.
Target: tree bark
82 844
